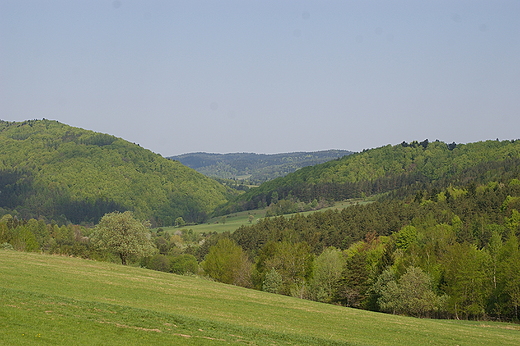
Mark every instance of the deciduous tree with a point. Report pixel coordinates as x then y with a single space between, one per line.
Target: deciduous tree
467 280
411 295
227 263
328 267
293 261
123 235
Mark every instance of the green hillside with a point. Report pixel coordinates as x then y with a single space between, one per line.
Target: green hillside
256 168
407 166
69 174
56 300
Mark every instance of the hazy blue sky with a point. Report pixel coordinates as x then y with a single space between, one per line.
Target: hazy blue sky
265 76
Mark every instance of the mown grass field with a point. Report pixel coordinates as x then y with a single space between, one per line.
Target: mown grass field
52 300
235 220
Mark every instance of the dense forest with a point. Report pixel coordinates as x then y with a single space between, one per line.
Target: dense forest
402 169
255 168
67 174
450 253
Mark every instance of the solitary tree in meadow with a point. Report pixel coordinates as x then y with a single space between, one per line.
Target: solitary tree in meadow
179 222
123 235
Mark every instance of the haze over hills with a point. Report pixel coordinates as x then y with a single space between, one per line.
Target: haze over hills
56 171
256 168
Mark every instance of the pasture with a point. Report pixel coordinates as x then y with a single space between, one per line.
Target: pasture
232 222
53 300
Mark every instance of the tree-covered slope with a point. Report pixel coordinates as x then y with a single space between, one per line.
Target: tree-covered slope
257 167
57 171
389 168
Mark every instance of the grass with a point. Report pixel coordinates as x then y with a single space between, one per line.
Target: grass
55 300
235 220
232 222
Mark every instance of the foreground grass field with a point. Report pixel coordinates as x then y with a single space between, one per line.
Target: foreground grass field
52 300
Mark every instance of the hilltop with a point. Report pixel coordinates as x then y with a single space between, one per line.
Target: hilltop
52 170
256 168
400 169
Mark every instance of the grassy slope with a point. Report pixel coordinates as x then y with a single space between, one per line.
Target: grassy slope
57 300
235 220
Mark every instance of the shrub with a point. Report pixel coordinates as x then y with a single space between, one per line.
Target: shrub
6 246
184 264
159 262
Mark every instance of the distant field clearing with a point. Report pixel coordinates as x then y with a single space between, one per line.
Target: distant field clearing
233 221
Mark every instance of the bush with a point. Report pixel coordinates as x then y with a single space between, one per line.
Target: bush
6 246
159 262
184 264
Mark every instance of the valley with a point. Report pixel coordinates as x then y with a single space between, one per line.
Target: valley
371 248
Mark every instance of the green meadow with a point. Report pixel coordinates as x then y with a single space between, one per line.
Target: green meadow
53 300
225 223
232 222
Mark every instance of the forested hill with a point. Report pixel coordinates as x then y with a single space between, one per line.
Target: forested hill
65 173
402 168
257 168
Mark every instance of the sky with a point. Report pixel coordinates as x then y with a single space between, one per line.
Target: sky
267 76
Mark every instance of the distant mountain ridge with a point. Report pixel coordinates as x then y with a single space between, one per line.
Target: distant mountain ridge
52 170
256 168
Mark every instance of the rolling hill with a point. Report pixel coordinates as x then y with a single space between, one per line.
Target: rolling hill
402 168
256 168
65 173
59 300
